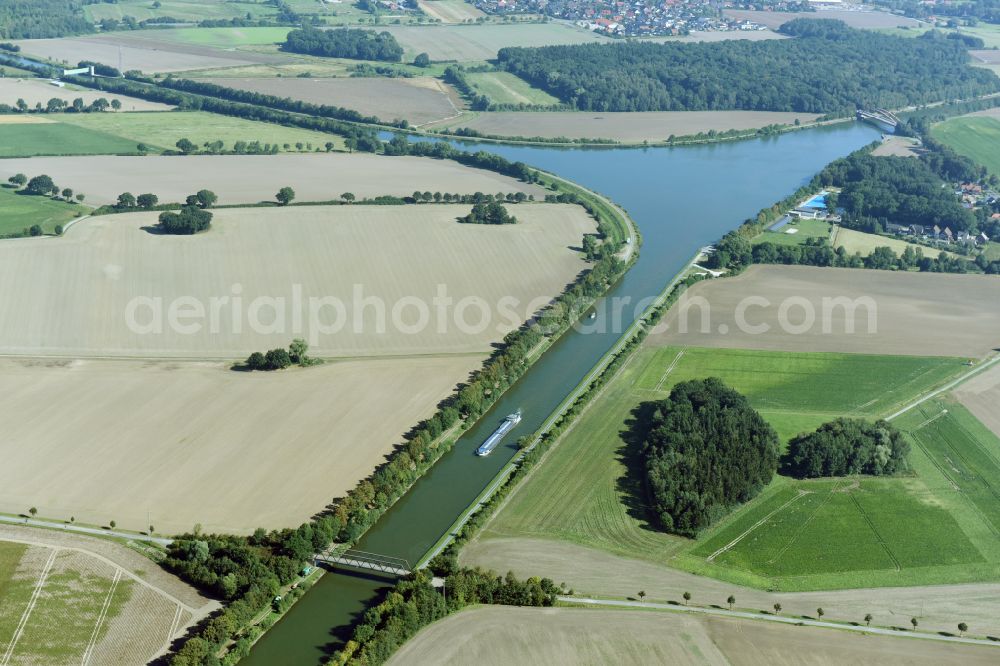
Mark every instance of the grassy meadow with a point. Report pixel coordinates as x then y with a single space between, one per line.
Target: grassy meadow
807 230
48 138
21 211
505 88
588 490
976 137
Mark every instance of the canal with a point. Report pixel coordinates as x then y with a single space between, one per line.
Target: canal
681 199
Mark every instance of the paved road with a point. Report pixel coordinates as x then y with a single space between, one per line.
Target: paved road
96 531
779 618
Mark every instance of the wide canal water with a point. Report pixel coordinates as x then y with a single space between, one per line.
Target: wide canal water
681 199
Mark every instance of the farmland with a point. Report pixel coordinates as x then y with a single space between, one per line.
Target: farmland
61 602
21 212
39 91
250 179
165 130
624 127
976 136
505 88
185 10
418 100
481 42
108 262
496 635
853 18
325 427
44 137
914 313
584 493
980 396
854 241
450 11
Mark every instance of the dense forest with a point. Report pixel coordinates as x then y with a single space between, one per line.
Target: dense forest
344 43
847 446
827 68
706 451
37 19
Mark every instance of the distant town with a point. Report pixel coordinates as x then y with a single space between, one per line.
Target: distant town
642 18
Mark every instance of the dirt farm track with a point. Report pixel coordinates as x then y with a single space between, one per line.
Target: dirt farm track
250 179
500 635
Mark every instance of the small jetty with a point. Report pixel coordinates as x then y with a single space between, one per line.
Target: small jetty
486 448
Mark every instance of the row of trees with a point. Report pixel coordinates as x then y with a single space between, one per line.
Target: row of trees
488 213
847 446
881 258
352 43
57 105
355 137
829 68
706 450
43 185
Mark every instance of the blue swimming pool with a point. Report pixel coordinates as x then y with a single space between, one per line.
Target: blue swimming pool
818 201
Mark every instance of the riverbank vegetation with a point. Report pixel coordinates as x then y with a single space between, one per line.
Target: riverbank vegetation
706 450
770 75
415 603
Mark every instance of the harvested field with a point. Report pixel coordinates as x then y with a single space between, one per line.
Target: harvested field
853 18
149 55
199 443
64 604
981 395
450 11
585 570
251 178
419 100
109 271
917 313
503 635
854 241
481 42
40 91
625 127
899 146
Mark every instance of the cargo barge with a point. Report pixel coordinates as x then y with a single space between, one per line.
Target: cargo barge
486 448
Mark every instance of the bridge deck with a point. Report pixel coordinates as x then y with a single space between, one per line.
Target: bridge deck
371 561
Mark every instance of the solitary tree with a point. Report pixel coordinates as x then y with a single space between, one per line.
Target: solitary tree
113 524
819 613
777 609
687 597
33 511
962 628
142 148
329 145
422 60
116 105
72 519
18 180
868 620
731 600
285 196
642 595
151 529
298 351
80 197
35 230
147 200
186 146
914 622
126 200
40 185
347 197
67 194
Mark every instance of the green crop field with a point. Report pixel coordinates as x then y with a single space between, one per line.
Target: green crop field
226 37
21 211
32 139
807 230
505 88
976 137
164 130
585 492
